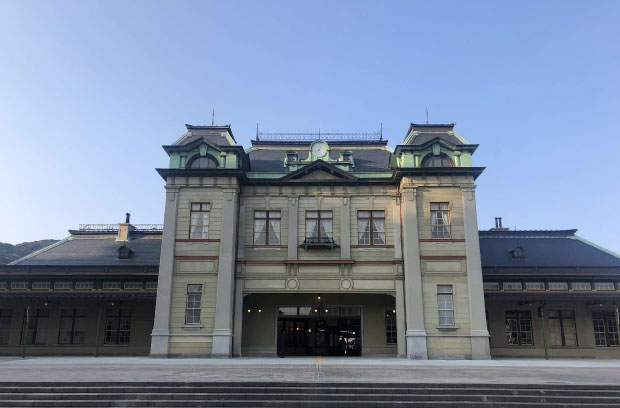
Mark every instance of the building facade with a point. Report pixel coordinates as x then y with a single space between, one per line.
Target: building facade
306 245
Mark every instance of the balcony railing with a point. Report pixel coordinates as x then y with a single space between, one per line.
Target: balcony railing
319 243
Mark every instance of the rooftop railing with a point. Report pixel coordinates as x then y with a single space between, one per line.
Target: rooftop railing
114 227
308 137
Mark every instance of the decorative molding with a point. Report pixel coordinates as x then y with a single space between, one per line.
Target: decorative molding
187 258
197 240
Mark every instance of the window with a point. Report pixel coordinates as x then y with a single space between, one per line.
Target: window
446 306
291 157
72 326
604 286
440 220
437 161
519 327
21 285
133 285
118 327
371 227
562 328
266 227
319 226
41 285
558 286
111 285
491 285
605 328
207 162
535 285
4 285
62 285
84 285
151 285
5 325
34 328
512 286
199 221
581 286
194 297
390 326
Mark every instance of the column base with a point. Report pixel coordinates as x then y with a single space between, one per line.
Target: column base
480 349
416 345
222 344
159 343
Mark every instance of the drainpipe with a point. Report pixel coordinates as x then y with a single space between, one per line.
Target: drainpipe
98 330
25 332
617 322
542 317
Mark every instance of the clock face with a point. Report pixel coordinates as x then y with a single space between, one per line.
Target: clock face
319 149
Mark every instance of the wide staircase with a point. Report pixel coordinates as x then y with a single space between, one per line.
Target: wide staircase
314 394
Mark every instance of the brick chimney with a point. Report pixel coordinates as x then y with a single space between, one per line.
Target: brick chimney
498 225
124 230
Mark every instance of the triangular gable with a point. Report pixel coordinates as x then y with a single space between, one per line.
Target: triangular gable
192 145
323 170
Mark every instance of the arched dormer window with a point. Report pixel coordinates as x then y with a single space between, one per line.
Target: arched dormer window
206 162
437 161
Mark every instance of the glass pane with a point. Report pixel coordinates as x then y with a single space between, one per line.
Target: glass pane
260 214
206 206
378 225
326 228
363 225
378 238
326 214
378 214
363 214
274 214
312 214
443 206
274 232
555 334
194 288
260 226
260 238
363 238
434 206
444 288
195 206
311 229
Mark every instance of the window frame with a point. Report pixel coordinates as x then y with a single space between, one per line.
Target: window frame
76 313
38 315
371 227
561 318
195 292
440 156
118 316
519 316
608 333
436 212
269 231
6 319
208 157
200 210
449 294
318 219
391 332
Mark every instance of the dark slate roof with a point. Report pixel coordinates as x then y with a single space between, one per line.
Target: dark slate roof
96 252
211 133
365 159
542 248
423 138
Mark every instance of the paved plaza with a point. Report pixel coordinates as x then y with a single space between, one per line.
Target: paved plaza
325 369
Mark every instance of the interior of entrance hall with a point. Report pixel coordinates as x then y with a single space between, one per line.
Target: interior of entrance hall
319 325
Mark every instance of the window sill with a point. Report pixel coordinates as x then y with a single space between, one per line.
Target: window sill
453 327
191 326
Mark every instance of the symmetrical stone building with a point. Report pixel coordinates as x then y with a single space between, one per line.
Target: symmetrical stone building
320 245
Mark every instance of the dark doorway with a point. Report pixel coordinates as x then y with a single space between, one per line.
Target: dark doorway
322 336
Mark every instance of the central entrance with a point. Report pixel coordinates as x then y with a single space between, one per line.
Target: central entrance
333 330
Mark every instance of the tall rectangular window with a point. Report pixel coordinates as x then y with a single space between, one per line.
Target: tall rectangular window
199 221
562 328
266 227
446 304
519 327
390 326
605 328
118 327
371 227
34 328
319 226
72 326
440 220
5 325
194 298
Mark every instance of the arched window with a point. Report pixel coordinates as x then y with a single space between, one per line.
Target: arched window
437 161
203 163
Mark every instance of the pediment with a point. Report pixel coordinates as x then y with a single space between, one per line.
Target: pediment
319 171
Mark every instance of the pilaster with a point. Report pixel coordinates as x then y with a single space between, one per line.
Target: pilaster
400 318
222 332
479 333
293 210
345 228
414 304
238 326
161 323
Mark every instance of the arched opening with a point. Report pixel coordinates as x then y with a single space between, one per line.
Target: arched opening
437 161
206 162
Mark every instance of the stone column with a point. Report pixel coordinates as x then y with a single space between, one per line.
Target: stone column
479 333
345 228
293 224
400 318
238 327
414 304
161 323
222 332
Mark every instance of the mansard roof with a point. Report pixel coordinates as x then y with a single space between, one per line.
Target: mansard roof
547 248
420 134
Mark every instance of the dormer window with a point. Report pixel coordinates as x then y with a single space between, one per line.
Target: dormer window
291 157
206 162
518 254
437 161
124 252
346 156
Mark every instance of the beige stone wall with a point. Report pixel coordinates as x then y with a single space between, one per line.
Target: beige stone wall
586 348
141 326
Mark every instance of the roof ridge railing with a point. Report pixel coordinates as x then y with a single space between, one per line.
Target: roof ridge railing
114 227
311 136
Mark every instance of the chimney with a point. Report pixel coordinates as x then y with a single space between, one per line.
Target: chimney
124 229
498 225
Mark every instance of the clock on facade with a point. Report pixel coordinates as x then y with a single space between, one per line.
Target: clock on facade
319 149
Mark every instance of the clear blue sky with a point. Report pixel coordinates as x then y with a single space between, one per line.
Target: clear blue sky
90 90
